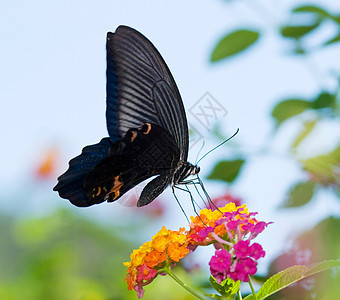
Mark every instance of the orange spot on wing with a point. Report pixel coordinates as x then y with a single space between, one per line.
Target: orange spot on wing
99 191
149 128
116 187
134 134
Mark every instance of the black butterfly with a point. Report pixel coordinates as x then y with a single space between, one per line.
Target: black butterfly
147 127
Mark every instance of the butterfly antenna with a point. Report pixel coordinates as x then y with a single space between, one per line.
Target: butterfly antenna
219 145
199 152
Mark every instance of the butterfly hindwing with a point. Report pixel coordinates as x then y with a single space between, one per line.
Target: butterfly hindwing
153 189
142 153
71 184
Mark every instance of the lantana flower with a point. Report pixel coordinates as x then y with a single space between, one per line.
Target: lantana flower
230 229
166 248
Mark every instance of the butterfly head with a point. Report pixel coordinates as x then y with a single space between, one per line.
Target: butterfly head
195 170
184 170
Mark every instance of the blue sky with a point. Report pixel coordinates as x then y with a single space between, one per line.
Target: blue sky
52 76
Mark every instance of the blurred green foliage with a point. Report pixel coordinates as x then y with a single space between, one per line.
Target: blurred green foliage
234 43
300 194
63 256
324 104
321 172
289 276
319 243
233 168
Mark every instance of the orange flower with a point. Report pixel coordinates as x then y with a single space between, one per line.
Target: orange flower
46 166
152 257
176 251
159 243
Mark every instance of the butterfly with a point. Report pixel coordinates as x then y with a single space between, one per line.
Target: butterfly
147 126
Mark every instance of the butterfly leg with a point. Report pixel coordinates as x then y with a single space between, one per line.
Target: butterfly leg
193 202
173 192
197 181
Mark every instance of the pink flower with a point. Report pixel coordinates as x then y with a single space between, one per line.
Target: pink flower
243 268
205 232
259 227
242 249
139 289
145 273
220 261
232 225
220 264
257 251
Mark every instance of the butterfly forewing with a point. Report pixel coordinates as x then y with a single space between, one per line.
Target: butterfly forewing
147 91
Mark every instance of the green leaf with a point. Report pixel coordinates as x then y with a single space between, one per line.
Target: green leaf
333 40
297 32
337 19
231 287
324 100
234 43
219 288
324 232
216 131
321 266
312 9
289 108
307 129
298 50
323 167
228 287
300 194
226 170
289 276
320 12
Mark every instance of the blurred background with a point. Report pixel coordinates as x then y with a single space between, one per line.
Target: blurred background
269 68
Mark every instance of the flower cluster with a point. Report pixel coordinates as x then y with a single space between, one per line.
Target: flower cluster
166 248
230 229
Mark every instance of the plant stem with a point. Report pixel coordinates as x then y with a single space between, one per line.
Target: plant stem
180 282
239 295
252 288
